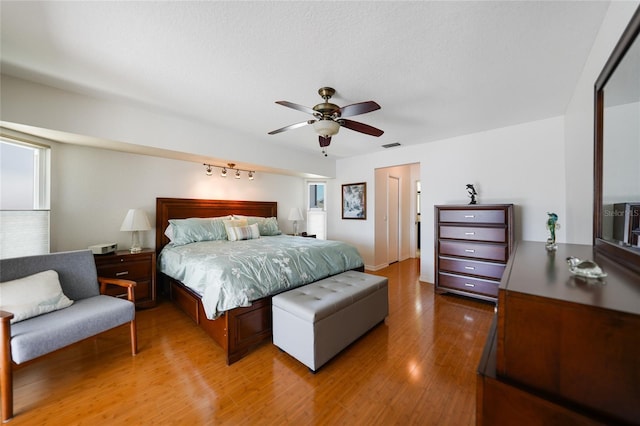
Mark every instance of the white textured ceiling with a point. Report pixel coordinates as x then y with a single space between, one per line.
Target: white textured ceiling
438 69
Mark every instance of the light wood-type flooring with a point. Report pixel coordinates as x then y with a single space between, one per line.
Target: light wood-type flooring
419 367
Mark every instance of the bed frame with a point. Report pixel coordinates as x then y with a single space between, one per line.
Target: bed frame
239 330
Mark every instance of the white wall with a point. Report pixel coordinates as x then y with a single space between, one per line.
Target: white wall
523 165
92 190
107 121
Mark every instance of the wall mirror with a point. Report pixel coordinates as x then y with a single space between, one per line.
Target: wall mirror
616 226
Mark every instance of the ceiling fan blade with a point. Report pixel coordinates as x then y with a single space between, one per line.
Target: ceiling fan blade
359 108
292 126
296 106
361 127
324 141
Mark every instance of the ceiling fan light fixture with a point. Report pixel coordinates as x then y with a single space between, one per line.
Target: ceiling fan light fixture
326 127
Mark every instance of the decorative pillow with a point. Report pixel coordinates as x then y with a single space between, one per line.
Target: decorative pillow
33 295
250 232
229 224
196 229
268 225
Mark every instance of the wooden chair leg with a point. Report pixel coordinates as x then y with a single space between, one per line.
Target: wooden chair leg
6 371
134 338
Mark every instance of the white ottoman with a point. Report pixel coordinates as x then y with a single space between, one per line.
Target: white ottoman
314 322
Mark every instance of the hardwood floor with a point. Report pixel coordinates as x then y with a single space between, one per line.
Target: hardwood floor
419 367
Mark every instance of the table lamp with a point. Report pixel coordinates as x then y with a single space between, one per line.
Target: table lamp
135 221
295 215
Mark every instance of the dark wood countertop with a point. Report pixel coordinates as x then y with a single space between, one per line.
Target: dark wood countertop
534 271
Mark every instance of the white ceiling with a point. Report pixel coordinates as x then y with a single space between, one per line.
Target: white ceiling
438 68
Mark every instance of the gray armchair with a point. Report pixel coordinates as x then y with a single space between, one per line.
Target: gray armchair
90 314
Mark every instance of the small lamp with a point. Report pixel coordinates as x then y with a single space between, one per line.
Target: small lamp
135 220
295 215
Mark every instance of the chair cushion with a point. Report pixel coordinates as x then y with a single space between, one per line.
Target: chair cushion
86 317
32 295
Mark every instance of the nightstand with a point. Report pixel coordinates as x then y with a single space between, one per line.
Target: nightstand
139 267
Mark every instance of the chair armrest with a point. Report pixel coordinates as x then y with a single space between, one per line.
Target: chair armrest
5 316
128 284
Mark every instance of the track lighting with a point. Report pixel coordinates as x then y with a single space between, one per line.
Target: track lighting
229 166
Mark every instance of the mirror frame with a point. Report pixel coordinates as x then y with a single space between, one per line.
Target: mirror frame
623 255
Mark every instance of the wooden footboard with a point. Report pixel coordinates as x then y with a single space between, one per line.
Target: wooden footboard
237 331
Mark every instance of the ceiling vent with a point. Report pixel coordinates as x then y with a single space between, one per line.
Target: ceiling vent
391 145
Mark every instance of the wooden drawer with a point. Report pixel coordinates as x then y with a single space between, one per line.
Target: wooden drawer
497 252
473 216
472 267
468 284
129 270
142 290
185 301
138 267
497 235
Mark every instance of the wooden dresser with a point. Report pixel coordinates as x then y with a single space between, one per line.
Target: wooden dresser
472 246
139 267
562 350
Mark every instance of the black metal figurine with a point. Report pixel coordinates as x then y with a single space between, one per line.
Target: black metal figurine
472 193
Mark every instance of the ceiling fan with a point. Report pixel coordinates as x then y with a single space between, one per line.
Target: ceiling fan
330 117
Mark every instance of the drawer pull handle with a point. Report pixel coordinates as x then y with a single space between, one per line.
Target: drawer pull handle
469 233
471 268
469 251
469 216
469 285
119 274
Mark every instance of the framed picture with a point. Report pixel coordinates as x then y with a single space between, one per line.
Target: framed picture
354 201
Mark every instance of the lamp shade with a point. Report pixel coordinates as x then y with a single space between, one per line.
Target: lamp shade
326 127
136 220
295 214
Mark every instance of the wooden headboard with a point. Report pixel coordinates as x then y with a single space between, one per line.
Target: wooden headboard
183 208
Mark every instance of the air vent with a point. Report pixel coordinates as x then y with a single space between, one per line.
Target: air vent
391 145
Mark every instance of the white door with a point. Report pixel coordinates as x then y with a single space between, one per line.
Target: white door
393 219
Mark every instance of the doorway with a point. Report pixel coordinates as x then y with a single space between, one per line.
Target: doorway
393 219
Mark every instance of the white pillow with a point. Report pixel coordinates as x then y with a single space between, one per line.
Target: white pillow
230 224
33 295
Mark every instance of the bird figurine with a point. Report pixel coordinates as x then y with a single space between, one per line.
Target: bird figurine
552 225
472 193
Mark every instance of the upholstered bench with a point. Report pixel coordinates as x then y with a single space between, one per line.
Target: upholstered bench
314 322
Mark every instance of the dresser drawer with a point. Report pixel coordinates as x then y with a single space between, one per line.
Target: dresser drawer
141 291
473 216
473 285
472 267
129 270
497 235
497 252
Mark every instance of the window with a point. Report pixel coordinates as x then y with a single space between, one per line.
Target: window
24 198
316 196
316 210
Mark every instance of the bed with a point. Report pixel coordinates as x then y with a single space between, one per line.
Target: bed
236 329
